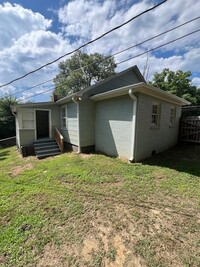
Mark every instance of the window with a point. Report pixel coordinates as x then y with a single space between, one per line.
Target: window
28 119
64 117
155 117
172 116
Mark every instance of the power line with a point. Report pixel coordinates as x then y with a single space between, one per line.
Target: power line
117 53
118 63
152 49
36 85
40 93
158 35
86 44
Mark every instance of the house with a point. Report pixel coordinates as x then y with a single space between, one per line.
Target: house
121 116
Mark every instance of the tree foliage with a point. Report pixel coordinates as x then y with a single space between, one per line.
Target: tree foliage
81 71
178 83
7 119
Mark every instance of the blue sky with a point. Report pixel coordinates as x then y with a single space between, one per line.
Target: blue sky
35 32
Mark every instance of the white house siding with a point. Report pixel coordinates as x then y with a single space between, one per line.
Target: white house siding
86 113
55 117
113 126
17 132
25 126
26 137
71 134
148 139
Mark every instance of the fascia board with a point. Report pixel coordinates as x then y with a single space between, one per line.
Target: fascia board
142 88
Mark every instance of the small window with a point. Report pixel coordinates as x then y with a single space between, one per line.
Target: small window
155 117
172 116
28 120
64 117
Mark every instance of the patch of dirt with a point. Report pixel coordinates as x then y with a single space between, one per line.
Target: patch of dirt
50 257
19 169
54 256
112 184
117 235
85 156
90 246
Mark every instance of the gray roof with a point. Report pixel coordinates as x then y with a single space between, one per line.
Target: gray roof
127 77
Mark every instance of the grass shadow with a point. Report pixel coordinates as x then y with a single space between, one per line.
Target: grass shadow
183 158
4 155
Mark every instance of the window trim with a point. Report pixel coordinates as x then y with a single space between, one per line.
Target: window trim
172 116
27 120
63 117
156 124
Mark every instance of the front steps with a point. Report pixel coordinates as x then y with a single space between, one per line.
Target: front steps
46 148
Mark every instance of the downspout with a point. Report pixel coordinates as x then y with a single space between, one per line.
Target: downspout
14 113
134 98
76 100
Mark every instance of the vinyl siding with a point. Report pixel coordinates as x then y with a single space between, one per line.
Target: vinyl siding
113 126
25 126
26 137
86 109
159 138
71 134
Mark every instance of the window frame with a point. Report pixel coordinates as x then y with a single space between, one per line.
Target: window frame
155 115
27 120
63 118
172 116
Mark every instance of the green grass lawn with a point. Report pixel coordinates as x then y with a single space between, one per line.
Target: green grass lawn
92 210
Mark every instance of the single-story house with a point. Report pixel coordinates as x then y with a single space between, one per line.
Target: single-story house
121 116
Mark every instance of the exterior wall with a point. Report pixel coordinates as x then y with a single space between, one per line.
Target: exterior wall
71 134
55 118
17 132
26 137
154 139
26 133
86 117
113 126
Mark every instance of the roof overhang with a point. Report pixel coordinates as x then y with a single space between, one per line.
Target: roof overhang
33 105
145 89
67 99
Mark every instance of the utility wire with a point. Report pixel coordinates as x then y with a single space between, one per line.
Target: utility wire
158 35
118 63
36 85
86 44
40 93
152 49
117 53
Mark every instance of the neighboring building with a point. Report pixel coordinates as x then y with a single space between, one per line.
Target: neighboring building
122 116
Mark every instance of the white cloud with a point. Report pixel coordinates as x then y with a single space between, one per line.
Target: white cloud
17 21
27 42
196 81
82 18
27 45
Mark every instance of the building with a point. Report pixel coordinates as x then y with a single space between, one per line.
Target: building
122 116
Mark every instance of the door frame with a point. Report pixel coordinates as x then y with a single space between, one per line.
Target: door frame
35 123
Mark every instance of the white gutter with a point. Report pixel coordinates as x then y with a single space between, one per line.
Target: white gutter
134 98
76 100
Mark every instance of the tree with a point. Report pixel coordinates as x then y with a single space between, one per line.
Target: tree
81 71
178 83
7 119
